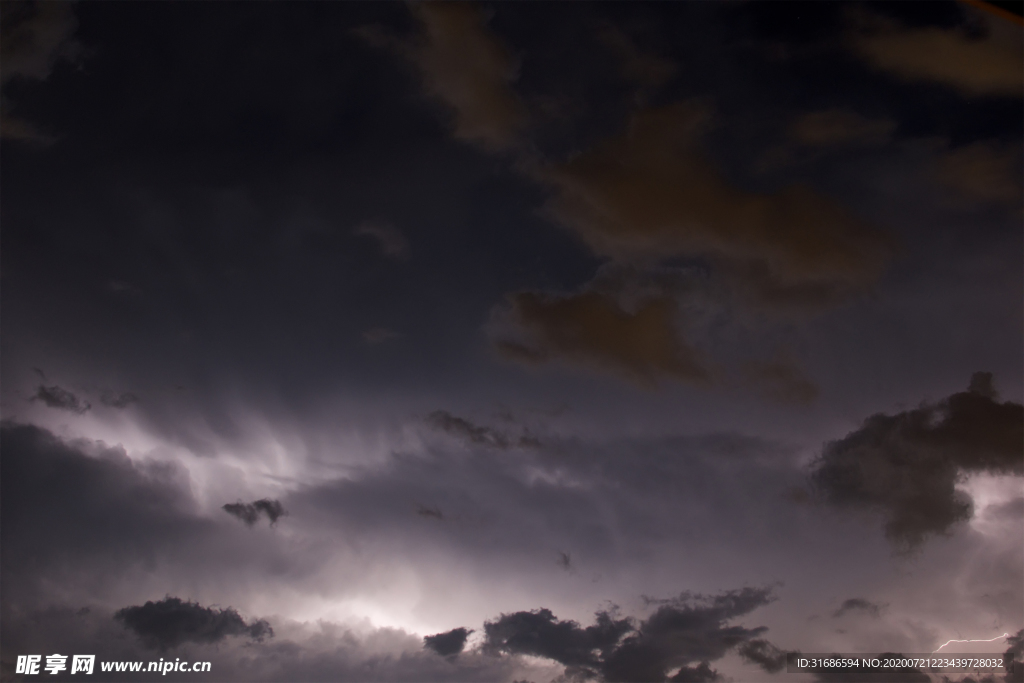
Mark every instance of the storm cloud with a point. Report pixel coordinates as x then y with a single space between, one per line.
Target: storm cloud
858 605
681 632
250 512
61 399
476 434
447 644
170 622
908 465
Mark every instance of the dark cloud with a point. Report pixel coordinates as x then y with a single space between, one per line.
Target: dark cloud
424 511
858 605
483 436
984 172
651 194
467 68
764 654
908 465
973 64
835 127
62 399
115 400
85 505
682 631
1014 656
171 622
250 512
392 242
449 643
35 35
593 329
565 561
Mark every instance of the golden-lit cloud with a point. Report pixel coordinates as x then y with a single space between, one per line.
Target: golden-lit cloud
988 64
469 69
840 127
650 194
592 329
642 68
34 36
983 172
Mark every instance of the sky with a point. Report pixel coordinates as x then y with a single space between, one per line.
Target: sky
548 342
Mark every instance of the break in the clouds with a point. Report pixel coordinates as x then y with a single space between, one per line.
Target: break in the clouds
170 622
908 465
250 512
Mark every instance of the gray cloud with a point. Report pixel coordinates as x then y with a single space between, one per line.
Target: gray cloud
682 631
61 399
447 644
764 654
907 465
475 434
171 622
115 400
250 512
858 605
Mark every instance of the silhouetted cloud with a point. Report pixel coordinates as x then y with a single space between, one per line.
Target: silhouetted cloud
484 436
449 643
907 465
171 622
682 631
1013 658
764 654
858 605
565 561
250 512
61 399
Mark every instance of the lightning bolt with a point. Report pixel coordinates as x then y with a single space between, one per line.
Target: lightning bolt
1005 635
